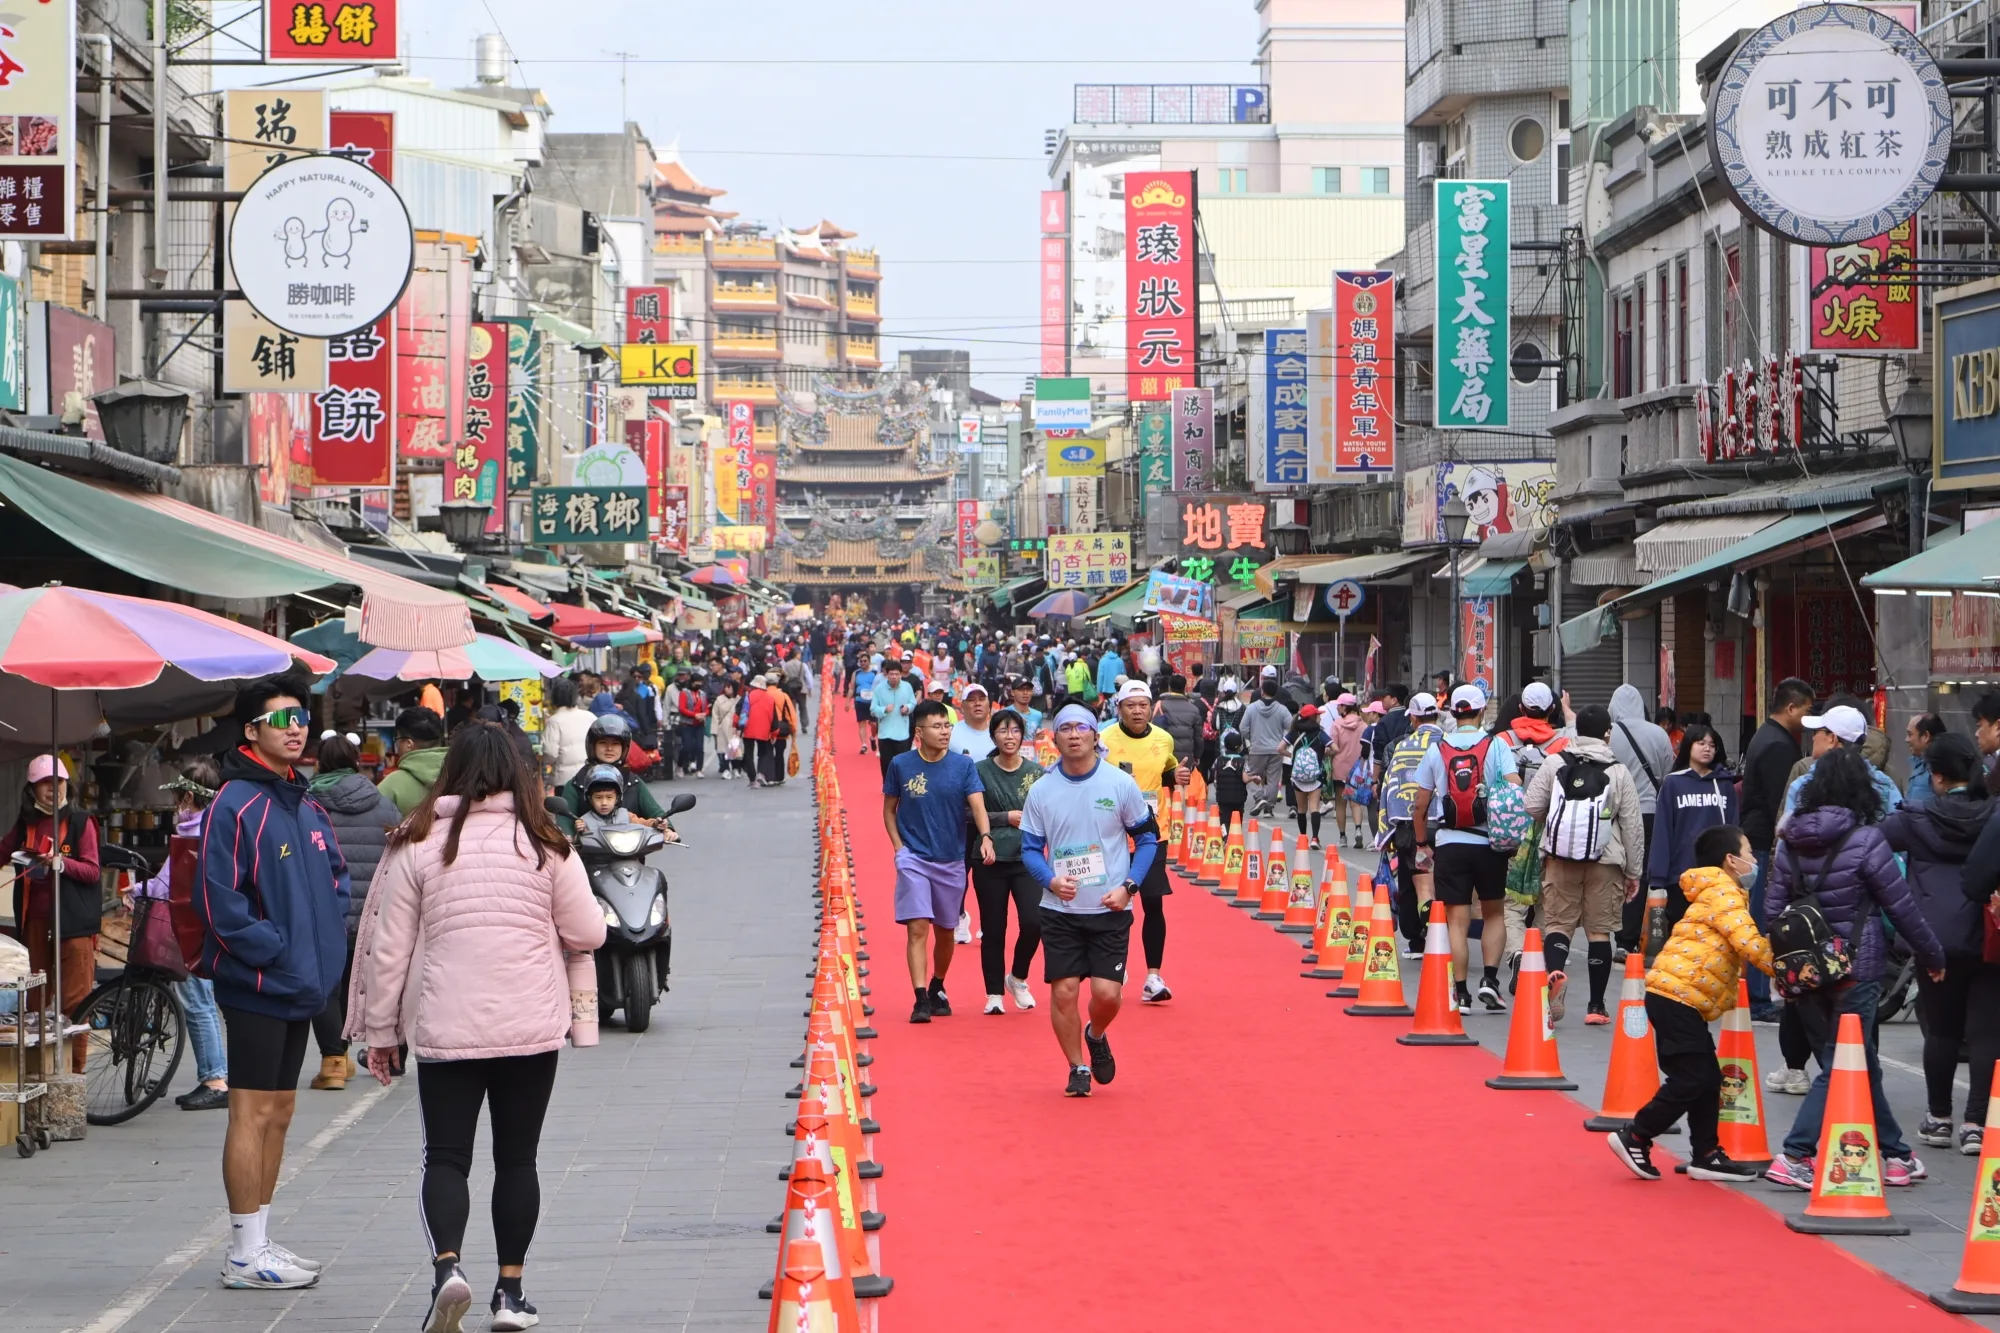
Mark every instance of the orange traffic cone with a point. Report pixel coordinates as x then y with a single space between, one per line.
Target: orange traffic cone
1634 1073
1437 1013
1270 906
1210 874
1300 908
806 1297
1245 895
1381 994
1278 895
1231 884
1532 1060
1357 946
1977 1290
1742 1131
1847 1181
1191 838
1176 827
1336 921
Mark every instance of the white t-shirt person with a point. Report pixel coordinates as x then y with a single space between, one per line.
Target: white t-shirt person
1080 824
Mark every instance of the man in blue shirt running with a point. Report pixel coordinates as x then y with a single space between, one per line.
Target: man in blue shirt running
926 795
890 705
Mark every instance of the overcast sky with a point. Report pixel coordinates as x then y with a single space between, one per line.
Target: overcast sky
917 123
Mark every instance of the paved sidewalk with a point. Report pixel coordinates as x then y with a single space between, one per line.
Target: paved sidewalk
658 1166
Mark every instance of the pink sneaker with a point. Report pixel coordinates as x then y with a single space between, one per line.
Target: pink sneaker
1795 1172
1900 1171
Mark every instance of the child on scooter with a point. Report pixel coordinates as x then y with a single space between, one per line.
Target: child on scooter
604 787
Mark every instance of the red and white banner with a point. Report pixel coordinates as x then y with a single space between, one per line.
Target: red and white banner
968 525
653 448
476 470
1161 318
433 334
1364 376
673 534
353 418
649 314
764 491
1055 282
332 32
741 443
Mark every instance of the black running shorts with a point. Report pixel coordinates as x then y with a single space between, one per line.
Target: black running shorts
1085 944
1465 870
265 1053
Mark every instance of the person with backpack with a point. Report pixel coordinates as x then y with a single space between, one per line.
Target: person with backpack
1537 729
1699 794
1593 852
1344 747
1642 745
1306 749
1835 872
1232 788
1397 795
691 714
1454 785
1267 723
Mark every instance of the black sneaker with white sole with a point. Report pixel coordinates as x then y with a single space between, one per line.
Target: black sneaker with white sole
1079 1083
1635 1152
450 1299
1102 1067
511 1313
1489 995
1719 1166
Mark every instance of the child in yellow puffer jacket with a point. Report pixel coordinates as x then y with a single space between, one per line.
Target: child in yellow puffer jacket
1691 984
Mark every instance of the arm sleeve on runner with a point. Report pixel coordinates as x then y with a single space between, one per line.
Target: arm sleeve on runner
1145 846
1035 856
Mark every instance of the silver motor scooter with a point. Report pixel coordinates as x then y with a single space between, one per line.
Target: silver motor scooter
636 958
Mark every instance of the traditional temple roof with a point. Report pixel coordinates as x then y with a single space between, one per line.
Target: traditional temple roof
859 472
678 179
854 433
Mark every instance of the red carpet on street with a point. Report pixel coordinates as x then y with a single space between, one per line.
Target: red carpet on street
1264 1161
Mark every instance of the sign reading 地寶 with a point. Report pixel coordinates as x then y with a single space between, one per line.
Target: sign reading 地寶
1474 303
1830 124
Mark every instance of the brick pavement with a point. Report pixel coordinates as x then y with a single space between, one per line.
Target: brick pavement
658 1165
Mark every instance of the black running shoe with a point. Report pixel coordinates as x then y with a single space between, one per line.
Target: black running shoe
922 1012
1102 1067
1489 995
1079 1083
511 1313
450 1299
1719 1166
1635 1153
940 1006
203 1098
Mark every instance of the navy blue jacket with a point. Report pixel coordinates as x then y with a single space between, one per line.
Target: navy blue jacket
1689 805
272 897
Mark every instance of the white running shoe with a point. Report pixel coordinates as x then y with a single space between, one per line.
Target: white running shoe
267 1272
310 1265
1018 991
994 1005
1792 1082
964 932
1155 990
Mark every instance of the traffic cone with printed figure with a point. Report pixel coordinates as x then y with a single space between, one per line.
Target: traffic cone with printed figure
1437 1022
1381 991
1195 849
1532 1059
1633 1075
1242 893
1183 863
1335 873
1847 1196
1328 959
1356 961
1174 826
1270 904
1977 1290
1210 876
1301 906
1231 883
1742 1130
1278 893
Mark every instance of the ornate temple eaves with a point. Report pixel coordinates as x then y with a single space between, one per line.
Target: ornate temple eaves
861 473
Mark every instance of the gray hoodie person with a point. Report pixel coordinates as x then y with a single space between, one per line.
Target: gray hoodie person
1267 723
1639 743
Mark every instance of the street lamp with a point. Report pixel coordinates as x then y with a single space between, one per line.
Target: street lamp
1455 518
144 418
464 522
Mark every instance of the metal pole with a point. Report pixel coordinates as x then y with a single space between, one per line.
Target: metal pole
1451 671
102 203
1555 627
1340 648
160 139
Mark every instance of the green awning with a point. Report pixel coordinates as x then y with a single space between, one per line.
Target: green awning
1962 564
1004 597
1581 633
1271 608
1493 578
1123 608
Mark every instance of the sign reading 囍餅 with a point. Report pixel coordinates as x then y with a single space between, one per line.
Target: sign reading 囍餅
1474 300
1830 124
321 246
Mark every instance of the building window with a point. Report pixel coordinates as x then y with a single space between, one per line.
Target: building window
1559 185
1639 336
1681 320
1663 373
1232 180
1527 139
1732 305
1326 180
1621 346
1376 179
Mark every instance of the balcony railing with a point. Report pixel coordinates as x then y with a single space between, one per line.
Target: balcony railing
740 251
745 343
862 259
858 304
740 295
739 389
671 243
765 435
862 348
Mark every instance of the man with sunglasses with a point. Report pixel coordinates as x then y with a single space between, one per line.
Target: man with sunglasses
272 900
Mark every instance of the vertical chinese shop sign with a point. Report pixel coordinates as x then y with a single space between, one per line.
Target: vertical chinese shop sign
1871 316
1193 440
649 314
524 402
474 471
1055 282
1285 407
354 416
38 135
1474 298
1161 305
1364 381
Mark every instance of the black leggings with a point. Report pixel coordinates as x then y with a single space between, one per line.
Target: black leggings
1963 1008
329 1022
516 1091
1153 930
994 885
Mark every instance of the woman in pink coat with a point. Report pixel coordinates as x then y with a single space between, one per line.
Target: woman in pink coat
1343 736
476 899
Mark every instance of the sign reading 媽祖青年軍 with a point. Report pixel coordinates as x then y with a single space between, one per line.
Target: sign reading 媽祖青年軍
321 246
1364 371
1830 124
579 514
1474 304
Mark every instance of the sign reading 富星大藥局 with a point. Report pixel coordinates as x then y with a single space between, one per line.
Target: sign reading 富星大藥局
1474 304
38 131
1830 124
321 246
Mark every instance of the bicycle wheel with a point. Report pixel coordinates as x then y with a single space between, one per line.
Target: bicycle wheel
138 1034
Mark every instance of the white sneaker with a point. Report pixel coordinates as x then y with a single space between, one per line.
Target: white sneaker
310 1265
1792 1082
1017 989
1155 989
994 1005
964 932
265 1272
449 1303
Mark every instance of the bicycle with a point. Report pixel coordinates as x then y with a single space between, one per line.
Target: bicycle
137 1028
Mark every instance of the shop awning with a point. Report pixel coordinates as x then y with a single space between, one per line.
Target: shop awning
575 622
1004 596
1684 541
531 607
1122 606
1608 567
1270 608
170 542
568 330
1966 563
1483 577
1285 566
1768 543
1363 568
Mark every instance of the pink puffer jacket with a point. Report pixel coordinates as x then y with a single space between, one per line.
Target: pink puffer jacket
476 946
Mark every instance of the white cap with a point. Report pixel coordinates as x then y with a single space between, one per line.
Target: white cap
1267 672
974 688
759 682
1133 689
1844 722
1468 699
1227 685
1537 695
1423 705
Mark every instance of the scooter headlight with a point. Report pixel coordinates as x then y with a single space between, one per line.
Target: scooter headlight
624 842
658 916
611 917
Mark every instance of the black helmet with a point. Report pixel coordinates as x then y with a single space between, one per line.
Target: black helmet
609 727
602 775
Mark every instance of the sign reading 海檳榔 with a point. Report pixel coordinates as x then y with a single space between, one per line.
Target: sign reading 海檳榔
1830 124
559 514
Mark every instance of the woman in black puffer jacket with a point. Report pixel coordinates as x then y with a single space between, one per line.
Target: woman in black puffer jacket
1937 839
1830 846
361 816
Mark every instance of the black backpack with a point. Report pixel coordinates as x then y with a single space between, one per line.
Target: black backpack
1806 953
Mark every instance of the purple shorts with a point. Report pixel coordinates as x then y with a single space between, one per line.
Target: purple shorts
931 891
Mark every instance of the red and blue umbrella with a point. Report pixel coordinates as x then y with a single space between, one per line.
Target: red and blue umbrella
1061 605
714 576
